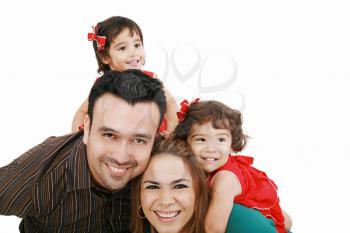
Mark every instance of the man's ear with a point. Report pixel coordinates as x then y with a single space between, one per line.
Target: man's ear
86 129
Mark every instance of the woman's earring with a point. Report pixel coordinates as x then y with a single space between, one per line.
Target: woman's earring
138 212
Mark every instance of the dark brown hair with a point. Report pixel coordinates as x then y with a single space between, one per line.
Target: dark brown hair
132 86
111 28
221 116
179 148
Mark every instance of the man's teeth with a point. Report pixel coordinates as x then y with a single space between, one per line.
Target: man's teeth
117 169
167 214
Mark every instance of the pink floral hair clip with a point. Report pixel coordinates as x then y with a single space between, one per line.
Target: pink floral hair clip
101 40
184 105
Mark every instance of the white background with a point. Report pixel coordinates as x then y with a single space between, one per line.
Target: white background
288 60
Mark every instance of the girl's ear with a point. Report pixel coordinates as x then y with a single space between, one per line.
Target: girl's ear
105 59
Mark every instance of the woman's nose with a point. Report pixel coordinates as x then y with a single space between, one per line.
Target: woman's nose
166 197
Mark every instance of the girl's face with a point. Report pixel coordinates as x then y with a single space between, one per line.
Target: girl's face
211 146
167 193
125 52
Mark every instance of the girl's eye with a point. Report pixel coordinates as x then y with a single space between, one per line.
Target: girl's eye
180 186
199 139
122 48
152 187
138 45
221 139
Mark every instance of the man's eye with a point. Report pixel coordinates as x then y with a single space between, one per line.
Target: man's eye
152 187
140 141
180 186
108 135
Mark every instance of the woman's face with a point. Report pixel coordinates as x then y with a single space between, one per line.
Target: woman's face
167 193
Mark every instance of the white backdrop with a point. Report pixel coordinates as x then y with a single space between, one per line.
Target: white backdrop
285 64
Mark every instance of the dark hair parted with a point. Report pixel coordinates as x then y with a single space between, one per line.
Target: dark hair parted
178 148
221 116
111 28
133 86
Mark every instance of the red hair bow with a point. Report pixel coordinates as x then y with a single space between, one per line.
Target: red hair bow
184 108
101 40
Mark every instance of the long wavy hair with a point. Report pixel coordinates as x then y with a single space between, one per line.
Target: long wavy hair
178 148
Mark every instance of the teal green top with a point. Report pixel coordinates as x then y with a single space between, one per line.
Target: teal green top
247 220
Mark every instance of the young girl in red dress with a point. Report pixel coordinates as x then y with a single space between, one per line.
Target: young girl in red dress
118 45
214 133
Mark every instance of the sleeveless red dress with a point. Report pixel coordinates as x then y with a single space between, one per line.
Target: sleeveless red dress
258 191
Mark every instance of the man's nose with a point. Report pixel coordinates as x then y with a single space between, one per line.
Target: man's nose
120 152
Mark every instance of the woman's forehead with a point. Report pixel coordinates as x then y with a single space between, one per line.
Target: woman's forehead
166 168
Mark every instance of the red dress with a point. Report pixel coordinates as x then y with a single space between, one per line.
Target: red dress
163 126
258 191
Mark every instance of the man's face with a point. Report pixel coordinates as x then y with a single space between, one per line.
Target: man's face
120 140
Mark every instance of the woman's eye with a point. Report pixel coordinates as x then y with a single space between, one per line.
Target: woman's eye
180 186
138 45
151 187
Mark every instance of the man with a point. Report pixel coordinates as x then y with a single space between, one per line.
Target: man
80 182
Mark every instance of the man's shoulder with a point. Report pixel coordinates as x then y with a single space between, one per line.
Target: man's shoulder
58 149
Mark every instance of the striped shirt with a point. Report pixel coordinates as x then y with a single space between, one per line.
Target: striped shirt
51 188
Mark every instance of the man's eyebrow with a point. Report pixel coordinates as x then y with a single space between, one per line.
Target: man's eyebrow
105 129
145 136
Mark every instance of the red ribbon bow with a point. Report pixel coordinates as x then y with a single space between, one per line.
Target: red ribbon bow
184 108
101 40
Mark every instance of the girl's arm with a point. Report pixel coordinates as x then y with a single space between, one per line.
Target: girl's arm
225 186
171 109
287 220
79 116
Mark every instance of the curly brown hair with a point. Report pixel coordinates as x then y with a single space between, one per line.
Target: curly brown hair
221 116
179 148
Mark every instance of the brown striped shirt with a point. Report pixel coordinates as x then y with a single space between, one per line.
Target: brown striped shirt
50 187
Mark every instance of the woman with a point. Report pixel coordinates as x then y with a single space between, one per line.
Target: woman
171 195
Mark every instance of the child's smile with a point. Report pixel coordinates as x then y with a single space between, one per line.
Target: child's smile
211 146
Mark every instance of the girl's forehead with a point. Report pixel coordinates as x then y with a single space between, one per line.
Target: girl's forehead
129 31
207 125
